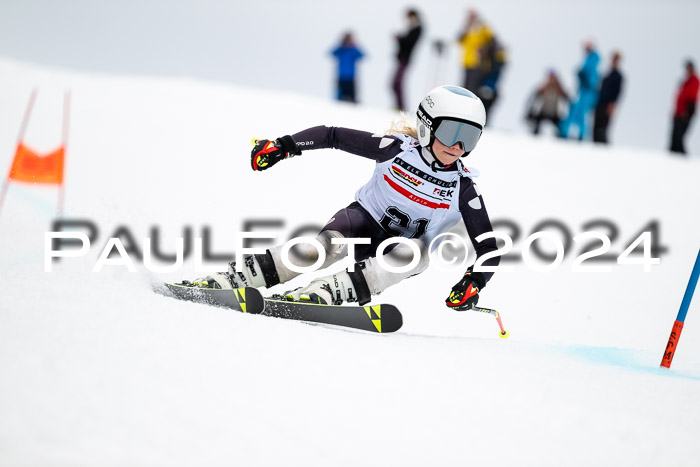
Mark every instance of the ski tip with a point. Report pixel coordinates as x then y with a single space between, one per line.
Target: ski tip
384 318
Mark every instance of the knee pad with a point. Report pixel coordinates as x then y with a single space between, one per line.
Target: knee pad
334 251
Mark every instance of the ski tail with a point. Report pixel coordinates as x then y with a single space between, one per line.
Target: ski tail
245 299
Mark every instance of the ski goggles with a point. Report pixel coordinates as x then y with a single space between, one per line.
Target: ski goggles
450 131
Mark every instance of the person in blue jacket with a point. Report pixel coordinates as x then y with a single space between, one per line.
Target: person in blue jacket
587 94
347 53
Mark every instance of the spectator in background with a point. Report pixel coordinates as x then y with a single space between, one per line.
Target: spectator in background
607 100
406 42
492 66
686 101
438 64
474 40
547 103
347 53
588 85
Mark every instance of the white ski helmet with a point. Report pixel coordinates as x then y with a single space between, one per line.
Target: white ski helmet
452 115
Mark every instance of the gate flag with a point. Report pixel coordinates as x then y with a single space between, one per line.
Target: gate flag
29 166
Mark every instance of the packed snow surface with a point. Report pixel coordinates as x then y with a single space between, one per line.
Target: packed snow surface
96 369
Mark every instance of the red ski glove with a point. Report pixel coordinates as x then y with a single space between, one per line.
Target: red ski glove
267 153
465 294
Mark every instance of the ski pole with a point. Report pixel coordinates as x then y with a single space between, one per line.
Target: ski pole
503 334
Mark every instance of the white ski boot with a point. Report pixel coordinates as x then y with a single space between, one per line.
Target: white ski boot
231 279
328 290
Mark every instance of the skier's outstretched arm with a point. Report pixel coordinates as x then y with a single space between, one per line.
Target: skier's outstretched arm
380 148
465 294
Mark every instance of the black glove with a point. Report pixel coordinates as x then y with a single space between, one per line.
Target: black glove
465 294
267 153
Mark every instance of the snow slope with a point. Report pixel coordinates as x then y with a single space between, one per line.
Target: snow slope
97 370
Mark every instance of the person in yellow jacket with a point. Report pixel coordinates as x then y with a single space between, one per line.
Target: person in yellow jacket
475 40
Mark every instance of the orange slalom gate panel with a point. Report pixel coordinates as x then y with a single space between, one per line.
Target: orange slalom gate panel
28 166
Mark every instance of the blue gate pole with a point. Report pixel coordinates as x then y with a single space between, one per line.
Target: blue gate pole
680 319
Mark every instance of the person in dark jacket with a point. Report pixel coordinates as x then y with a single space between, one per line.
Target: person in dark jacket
686 101
607 100
347 54
496 58
407 42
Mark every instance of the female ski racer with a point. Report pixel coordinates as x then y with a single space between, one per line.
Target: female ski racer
419 189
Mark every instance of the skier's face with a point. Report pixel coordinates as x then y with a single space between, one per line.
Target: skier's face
447 155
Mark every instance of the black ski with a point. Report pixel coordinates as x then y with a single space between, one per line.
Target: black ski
247 300
377 318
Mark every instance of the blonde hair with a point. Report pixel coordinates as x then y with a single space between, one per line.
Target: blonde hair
402 127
